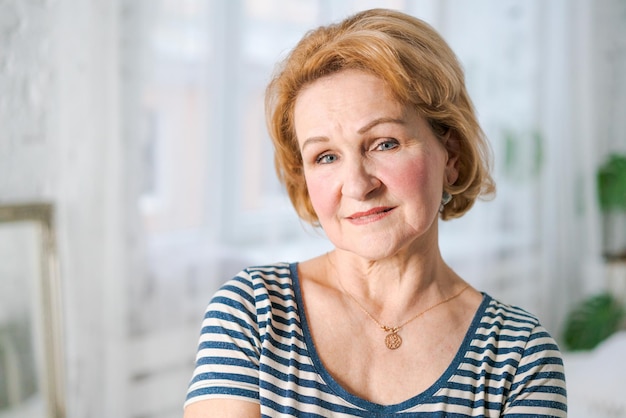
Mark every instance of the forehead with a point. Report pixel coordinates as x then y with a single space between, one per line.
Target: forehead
349 95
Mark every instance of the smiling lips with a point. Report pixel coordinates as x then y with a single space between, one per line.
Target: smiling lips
371 215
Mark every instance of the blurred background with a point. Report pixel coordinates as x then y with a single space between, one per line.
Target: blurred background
141 122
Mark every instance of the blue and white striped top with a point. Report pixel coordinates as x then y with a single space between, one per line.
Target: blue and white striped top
255 345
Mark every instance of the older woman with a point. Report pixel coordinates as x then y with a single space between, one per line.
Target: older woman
375 139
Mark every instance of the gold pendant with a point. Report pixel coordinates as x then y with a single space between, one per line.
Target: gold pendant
393 340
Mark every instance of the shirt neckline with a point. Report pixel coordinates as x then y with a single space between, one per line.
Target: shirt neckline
365 404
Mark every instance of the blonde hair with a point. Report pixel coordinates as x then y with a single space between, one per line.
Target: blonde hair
419 68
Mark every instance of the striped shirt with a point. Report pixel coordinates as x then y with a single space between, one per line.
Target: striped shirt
255 345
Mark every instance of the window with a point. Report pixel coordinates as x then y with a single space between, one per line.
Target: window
210 192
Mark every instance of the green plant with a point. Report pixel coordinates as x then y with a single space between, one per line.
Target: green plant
611 178
593 321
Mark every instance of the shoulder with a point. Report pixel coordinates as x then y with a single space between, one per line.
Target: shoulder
525 349
255 291
511 328
507 318
243 304
257 279
269 275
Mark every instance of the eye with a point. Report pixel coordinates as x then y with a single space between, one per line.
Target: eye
386 145
326 159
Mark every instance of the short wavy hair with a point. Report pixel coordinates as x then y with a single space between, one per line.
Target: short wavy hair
418 67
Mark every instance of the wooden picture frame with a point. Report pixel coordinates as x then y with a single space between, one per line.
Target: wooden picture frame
31 349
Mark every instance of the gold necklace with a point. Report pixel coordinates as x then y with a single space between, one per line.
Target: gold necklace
392 339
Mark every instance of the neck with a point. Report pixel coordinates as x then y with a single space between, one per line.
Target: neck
393 289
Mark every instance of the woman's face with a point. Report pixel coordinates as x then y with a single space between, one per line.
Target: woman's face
374 169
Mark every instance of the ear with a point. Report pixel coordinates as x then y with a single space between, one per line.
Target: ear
453 149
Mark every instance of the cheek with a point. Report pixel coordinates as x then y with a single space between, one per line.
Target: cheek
409 175
414 179
321 195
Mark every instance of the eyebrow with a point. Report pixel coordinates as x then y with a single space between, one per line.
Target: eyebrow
364 129
380 121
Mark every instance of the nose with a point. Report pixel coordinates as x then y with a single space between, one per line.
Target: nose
359 180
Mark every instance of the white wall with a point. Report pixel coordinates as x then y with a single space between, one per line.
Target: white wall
60 143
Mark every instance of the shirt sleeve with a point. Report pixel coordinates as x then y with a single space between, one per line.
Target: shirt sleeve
538 388
227 360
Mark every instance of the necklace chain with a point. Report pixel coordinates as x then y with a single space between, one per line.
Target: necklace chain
387 328
393 340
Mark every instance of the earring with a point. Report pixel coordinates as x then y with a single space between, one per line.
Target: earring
445 199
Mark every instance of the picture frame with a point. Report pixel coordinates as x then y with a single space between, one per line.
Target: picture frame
32 381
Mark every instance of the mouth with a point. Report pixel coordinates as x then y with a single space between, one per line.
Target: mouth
372 214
